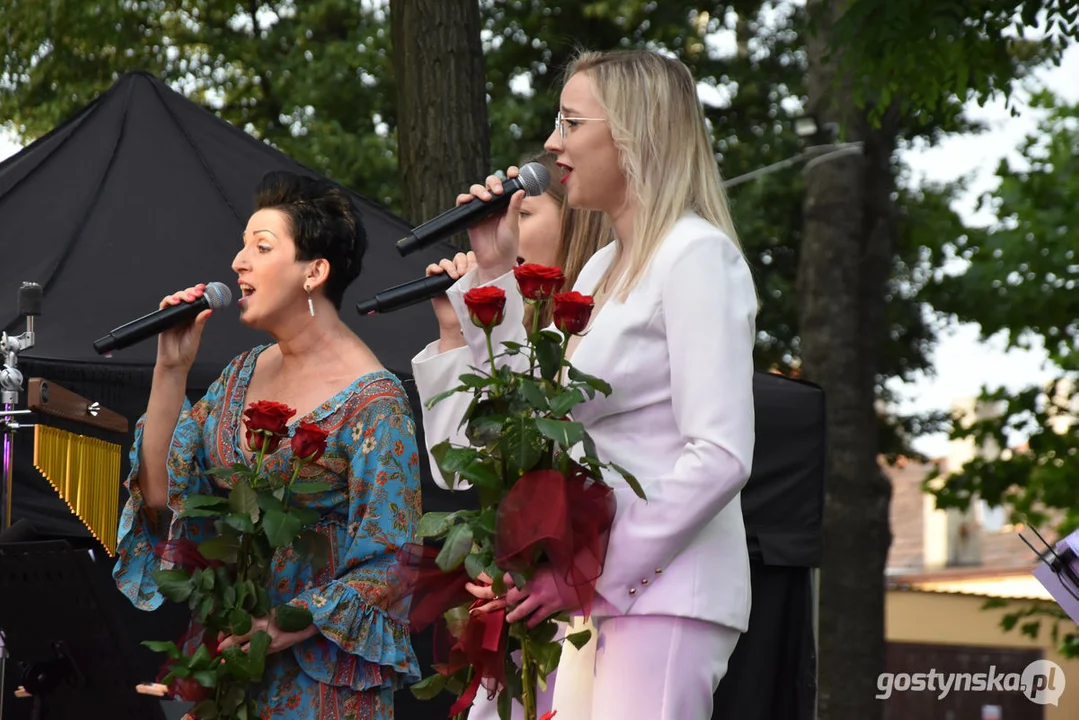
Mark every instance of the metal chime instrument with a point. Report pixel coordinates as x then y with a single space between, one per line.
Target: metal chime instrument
84 471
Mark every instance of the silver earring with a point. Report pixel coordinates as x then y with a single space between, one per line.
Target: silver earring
310 302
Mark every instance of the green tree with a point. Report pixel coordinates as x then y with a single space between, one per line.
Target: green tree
1019 281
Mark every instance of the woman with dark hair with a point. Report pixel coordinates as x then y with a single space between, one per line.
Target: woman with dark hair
301 249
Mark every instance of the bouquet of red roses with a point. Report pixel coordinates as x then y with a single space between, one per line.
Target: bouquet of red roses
542 497
224 579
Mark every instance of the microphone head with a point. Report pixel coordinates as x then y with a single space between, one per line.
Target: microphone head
534 179
217 295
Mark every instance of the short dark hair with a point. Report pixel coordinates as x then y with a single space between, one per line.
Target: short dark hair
325 224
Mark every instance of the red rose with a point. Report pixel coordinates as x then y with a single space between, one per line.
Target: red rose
266 420
309 442
538 282
572 311
485 306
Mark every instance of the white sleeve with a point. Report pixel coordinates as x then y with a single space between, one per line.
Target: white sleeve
709 309
434 373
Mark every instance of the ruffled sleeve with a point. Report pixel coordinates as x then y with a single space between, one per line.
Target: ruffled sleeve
364 640
143 529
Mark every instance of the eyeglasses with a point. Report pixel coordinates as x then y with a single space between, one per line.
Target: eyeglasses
560 123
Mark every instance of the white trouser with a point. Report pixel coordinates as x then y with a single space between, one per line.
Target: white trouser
646 667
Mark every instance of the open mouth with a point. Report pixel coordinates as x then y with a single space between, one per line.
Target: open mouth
568 170
246 291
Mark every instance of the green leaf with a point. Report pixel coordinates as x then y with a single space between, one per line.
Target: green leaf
592 382
630 480
589 447
533 393
565 401
292 619
484 430
579 639
237 664
271 500
487 520
262 604
564 432
205 678
309 488
521 444
234 698
470 380
176 585
206 580
434 524
228 597
237 469
457 546
205 710
549 355
260 643
205 609
202 501
315 546
200 660
443 395
281 528
475 564
241 522
243 500
305 515
467 463
223 547
498 579
204 512
240 622
429 687
166 646
457 620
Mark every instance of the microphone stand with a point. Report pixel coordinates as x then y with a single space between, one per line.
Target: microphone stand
10 386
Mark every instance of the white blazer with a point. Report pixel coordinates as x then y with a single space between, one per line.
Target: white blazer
678 354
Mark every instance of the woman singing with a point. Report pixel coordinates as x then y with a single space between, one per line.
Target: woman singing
672 331
551 233
301 249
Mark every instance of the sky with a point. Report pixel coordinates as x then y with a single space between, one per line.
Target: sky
963 363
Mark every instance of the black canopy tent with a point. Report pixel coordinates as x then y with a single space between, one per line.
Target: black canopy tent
144 192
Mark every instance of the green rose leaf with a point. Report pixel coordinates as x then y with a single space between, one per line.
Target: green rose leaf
592 382
240 621
521 444
549 354
292 619
435 524
579 639
565 401
457 546
166 646
630 480
223 547
260 643
242 499
309 488
281 528
429 687
565 433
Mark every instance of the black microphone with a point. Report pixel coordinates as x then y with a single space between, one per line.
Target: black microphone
216 295
533 179
405 294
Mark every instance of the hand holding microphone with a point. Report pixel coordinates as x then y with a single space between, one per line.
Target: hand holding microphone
495 240
178 322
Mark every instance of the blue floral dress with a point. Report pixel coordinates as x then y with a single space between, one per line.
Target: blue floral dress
363 651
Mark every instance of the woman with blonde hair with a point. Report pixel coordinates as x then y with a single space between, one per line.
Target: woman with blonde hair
672 331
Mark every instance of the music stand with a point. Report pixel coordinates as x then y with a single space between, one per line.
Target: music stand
61 631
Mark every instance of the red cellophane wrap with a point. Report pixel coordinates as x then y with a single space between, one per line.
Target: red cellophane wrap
184 554
567 518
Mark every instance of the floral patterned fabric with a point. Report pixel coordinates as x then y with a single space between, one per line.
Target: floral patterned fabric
363 652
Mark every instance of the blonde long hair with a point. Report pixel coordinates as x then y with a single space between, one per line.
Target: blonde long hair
583 232
664 151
